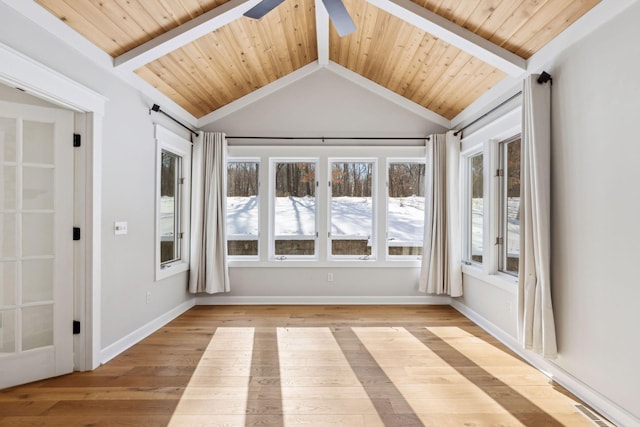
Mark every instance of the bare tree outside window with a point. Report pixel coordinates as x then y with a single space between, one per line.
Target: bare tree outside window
351 223
295 209
405 208
242 208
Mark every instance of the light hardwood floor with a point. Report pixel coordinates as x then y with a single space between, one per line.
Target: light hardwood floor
303 365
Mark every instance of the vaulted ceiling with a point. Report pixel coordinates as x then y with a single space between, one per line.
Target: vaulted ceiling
204 55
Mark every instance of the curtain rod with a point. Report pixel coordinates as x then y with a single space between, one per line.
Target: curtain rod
542 78
511 98
325 138
156 108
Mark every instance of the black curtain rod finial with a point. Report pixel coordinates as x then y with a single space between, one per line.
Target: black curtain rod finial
156 109
544 77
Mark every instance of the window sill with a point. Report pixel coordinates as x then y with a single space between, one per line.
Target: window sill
499 280
293 263
171 270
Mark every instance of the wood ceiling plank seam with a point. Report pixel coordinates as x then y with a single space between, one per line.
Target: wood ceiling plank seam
278 53
79 22
551 28
147 74
263 47
529 28
205 71
395 61
193 8
356 46
220 46
491 27
423 78
171 14
128 28
446 81
463 12
382 42
445 96
418 62
516 20
191 89
309 41
152 27
407 56
252 67
291 31
484 14
476 90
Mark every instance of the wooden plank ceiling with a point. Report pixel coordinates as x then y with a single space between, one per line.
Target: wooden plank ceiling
244 55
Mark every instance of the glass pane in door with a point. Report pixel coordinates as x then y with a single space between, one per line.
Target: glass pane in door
7 187
7 235
37 234
7 140
7 283
37 280
37 326
7 331
37 146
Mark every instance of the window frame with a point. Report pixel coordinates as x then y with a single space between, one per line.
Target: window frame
272 205
393 160
167 141
486 140
374 220
502 208
239 159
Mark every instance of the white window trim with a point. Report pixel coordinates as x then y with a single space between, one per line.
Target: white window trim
234 159
486 140
272 207
374 203
169 141
390 160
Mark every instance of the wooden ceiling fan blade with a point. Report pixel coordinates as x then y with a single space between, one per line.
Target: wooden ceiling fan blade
340 17
262 8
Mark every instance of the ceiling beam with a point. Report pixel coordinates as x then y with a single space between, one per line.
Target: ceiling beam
182 35
454 34
322 33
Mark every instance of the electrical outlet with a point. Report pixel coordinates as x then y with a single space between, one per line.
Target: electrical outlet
148 297
329 277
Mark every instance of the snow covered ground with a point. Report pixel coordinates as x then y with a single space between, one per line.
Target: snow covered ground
350 216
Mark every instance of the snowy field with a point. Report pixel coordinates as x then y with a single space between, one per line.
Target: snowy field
513 226
350 216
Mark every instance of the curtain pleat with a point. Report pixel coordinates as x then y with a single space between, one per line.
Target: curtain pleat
441 270
536 325
209 271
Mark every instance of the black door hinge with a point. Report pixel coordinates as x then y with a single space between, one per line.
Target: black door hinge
76 233
76 327
77 140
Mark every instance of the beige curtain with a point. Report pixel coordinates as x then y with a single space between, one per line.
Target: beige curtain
536 328
208 270
441 270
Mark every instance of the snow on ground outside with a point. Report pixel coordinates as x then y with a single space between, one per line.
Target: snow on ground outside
513 226
351 216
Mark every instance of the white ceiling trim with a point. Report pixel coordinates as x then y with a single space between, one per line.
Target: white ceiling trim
322 33
258 94
454 34
183 35
389 95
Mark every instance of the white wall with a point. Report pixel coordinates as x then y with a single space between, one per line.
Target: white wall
323 104
595 205
127 184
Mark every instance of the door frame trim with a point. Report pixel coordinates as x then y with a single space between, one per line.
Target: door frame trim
20 71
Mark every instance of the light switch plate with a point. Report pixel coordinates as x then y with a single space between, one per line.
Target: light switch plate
120 228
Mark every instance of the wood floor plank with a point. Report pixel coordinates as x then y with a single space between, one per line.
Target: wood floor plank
343 366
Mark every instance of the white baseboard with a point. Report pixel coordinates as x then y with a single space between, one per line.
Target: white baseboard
321 300
144 331
609 409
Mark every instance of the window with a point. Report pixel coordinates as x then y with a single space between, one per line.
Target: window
351 209
172 203
475 207
242 207
405 208
294 219
509 206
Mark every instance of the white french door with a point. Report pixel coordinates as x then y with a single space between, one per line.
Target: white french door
36 247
